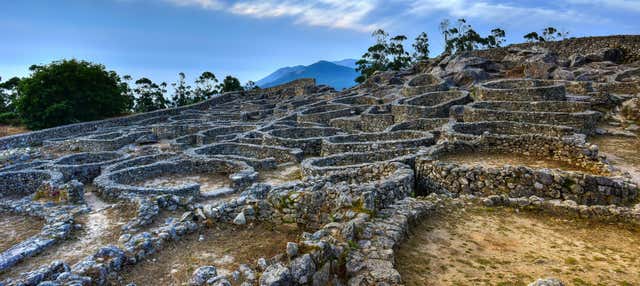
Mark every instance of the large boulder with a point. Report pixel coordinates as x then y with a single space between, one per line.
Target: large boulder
547 282
302 269
276 275
202 274
630 110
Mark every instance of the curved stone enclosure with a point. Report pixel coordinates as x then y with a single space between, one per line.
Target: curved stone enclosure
472 130
84 167
378 185
309 139
572 114
351 161
257 156
428 105
423 124
219 134
138 161
26 182
422 84
572 149
358 100
437 175
125 181
110 141
521 90
369 142
324 113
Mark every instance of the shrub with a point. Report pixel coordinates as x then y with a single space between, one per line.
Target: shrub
69 91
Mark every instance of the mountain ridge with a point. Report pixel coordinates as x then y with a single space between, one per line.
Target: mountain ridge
338 74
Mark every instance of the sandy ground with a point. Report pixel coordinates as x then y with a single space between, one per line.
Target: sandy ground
223 246
499 246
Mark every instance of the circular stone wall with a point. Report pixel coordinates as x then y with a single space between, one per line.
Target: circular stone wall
368 142
423 83
521 90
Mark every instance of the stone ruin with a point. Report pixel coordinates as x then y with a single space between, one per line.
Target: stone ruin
368 164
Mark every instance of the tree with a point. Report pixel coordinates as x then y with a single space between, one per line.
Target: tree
251 85
69 91
230 84
548 34
205 87
533 37
8 94
463 37
385 54
128 92
150 95
444 26
375 59
182 92
496 39
421 47
399 58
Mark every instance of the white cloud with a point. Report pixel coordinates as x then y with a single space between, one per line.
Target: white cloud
206 4
494 11
625 5
326 13
367 15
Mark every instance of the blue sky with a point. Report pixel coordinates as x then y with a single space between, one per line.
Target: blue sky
251 38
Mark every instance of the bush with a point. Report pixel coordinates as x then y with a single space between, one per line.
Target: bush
9 118
70 91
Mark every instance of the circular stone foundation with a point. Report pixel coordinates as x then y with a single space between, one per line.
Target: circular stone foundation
84 167
368 142
348 161
423 83
309 139
176 177
470 169
428 105
521 90
257 156
17 184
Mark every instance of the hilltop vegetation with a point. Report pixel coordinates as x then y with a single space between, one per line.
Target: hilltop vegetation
388 53
71 91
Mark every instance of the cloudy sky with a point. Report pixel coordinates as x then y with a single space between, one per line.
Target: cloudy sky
251 38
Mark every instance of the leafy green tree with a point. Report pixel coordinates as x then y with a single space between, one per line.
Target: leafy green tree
128 92
548 34
386 54
399 58
495 39
182 92
533 37
251 85
150 95
444 27
463 37
230 84
8 94
69 91
375 59
421 47
205 87
552 34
